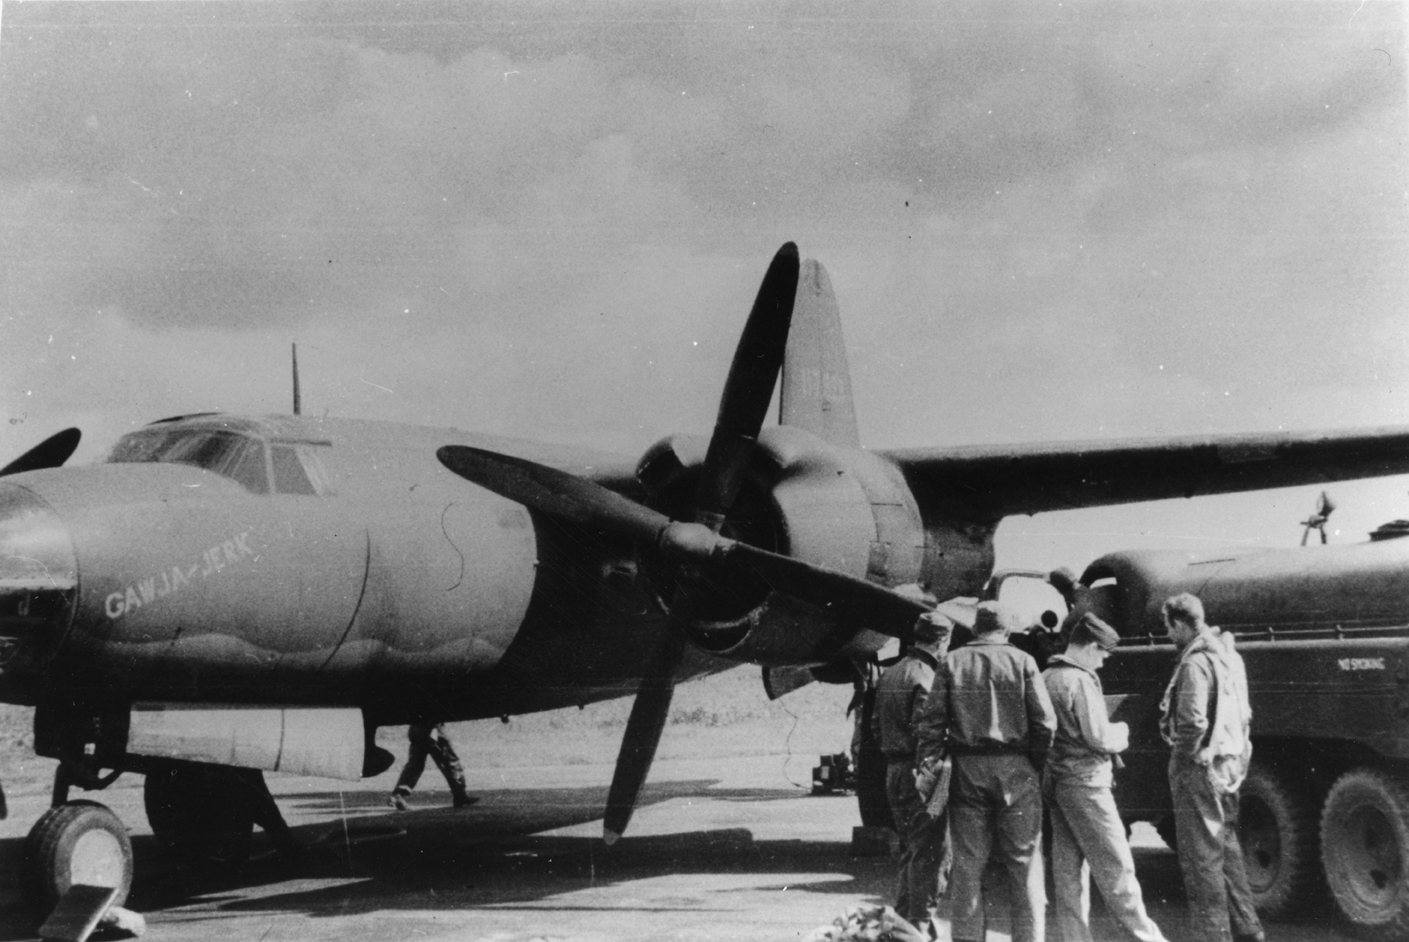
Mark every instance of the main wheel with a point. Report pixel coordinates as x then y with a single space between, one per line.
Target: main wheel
870 771
1365 850
1277 827
76 842
1164 827
193 815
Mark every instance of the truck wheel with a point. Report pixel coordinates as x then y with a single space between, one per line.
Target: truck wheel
192 816
76 842
1365 851
1277 828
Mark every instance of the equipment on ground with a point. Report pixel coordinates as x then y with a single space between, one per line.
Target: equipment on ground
832 775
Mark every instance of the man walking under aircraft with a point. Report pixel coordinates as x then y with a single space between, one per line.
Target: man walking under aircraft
427 739
1088 837
1205 719
989 709
900 696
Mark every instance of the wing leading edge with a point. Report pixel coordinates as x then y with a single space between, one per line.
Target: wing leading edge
988 482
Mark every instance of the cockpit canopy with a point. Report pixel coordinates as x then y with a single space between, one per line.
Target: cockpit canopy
260 466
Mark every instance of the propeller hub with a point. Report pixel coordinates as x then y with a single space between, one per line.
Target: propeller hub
692 541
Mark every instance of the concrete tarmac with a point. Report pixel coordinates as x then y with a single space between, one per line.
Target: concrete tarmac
719 849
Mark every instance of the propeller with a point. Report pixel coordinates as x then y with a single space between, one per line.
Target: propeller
569 497
50 453
698 543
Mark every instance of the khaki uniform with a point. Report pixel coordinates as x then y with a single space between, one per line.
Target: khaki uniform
1205 721
989 709
900 696
1088 837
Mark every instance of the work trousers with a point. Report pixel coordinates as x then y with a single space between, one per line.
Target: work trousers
1088 841
922 848
1215 879
995 808
430 742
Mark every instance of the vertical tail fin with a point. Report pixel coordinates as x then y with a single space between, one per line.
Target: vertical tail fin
816 392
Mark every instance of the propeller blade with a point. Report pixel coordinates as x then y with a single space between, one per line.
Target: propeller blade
749 388
643 730
50 453
876 607
553 492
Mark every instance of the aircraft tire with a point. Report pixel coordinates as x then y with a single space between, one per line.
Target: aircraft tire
1277 828
1365 851
76 842
192 817
870 771
1164 827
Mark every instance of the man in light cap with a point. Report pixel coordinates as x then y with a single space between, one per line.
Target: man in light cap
989 709
900 696
1088 837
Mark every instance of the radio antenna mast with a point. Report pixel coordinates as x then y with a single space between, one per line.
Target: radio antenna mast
298 404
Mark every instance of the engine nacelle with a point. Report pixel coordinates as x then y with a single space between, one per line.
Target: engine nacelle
835 507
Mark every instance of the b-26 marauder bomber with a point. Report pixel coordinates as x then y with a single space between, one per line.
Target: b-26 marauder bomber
229 593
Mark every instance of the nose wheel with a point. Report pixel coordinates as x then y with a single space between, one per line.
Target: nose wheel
80 842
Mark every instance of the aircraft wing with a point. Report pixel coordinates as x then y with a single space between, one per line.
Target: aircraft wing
987 482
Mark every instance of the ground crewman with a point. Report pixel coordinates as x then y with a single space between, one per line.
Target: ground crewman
430 740
989 710
1206 720
1088 837
900 696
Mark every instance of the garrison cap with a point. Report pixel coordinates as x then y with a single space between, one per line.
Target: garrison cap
1089 629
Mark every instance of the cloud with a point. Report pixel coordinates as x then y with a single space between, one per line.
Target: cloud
1077 222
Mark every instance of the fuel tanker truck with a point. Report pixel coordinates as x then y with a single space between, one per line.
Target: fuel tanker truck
1324 632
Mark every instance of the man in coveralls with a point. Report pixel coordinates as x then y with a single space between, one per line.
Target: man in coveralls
1206 720
1088 837
427 739
989 709
900 696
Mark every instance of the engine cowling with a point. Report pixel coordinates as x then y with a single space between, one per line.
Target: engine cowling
840 508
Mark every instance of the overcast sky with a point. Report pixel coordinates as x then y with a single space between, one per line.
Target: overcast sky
1042 222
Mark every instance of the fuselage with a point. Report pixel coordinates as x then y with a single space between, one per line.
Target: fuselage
301 560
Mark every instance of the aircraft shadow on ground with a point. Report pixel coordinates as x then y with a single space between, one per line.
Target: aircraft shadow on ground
493 853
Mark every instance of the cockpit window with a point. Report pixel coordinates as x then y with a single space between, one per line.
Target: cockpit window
228 454
289 474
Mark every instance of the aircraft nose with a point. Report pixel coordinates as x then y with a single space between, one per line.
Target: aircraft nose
38 585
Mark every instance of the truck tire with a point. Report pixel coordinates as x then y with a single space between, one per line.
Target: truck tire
192 816
76 842
1278 830
1365 851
